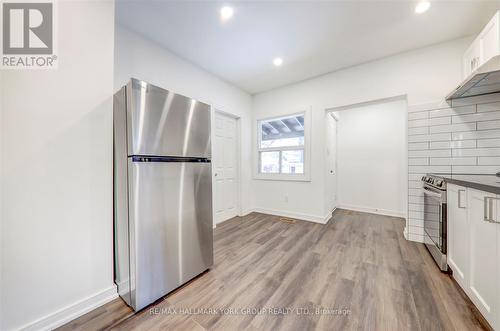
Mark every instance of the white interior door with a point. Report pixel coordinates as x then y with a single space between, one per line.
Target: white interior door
331 161
225 167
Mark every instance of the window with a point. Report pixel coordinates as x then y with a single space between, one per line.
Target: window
281 148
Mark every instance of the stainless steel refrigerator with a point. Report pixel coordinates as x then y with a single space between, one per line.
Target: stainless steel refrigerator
162 192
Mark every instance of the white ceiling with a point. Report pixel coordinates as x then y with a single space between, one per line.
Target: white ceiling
312 37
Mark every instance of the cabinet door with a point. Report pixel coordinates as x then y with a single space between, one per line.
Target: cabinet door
489 40
458 232
484 260
471 58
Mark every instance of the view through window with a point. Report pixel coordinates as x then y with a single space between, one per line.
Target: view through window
281 145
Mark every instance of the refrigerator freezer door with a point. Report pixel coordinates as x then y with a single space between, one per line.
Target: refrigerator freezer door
164 123
170 225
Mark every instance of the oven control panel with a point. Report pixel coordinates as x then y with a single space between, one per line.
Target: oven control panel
434 181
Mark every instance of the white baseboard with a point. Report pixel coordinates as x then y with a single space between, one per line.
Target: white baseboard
72 311
245 212
324 219
124 285
329 215
300 216
415 237
377 211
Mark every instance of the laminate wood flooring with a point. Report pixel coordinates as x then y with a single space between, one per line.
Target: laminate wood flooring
357 272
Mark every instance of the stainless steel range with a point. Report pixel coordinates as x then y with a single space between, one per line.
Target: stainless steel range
435 218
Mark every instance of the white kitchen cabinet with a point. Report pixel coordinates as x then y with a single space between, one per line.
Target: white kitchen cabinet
471 59
458 233
484 262
484 47
473 254
489 39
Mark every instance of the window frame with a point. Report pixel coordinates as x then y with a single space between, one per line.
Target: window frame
305 176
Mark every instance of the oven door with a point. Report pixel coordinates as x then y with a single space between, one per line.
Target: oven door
434 209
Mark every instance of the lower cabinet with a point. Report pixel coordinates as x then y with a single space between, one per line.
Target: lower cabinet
484 277
474 247
458 233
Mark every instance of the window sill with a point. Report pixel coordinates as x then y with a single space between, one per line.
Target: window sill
291 178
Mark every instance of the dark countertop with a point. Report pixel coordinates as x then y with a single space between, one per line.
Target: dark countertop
487 183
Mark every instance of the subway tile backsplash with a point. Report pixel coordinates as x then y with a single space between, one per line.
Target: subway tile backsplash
488 143
461 138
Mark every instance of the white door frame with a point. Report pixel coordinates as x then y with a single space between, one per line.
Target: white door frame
238 159
336 118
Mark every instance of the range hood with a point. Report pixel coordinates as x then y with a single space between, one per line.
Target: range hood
485 80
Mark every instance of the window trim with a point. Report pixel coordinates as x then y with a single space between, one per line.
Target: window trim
306 176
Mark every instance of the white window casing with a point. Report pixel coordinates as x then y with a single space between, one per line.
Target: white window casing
277 138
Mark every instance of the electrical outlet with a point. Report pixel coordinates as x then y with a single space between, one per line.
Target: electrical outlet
286 198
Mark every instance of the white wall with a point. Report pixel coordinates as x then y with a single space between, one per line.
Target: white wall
1 199
372 168
140 58
56 129
423 75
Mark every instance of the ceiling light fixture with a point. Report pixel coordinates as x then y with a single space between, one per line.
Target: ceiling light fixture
226 13
278 61
422 7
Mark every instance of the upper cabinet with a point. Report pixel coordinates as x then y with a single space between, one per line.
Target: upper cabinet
484 47
471 59
489 39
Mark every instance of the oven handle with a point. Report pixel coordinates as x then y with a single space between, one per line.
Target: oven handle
432 193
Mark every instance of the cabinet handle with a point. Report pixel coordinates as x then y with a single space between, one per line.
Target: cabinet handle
488 210
474 63
460 200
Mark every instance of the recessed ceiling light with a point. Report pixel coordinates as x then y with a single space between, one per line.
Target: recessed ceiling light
278 61
422 7
226 13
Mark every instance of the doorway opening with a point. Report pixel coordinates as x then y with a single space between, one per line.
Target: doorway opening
370 155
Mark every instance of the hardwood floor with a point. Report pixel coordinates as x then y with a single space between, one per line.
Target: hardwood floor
358 263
